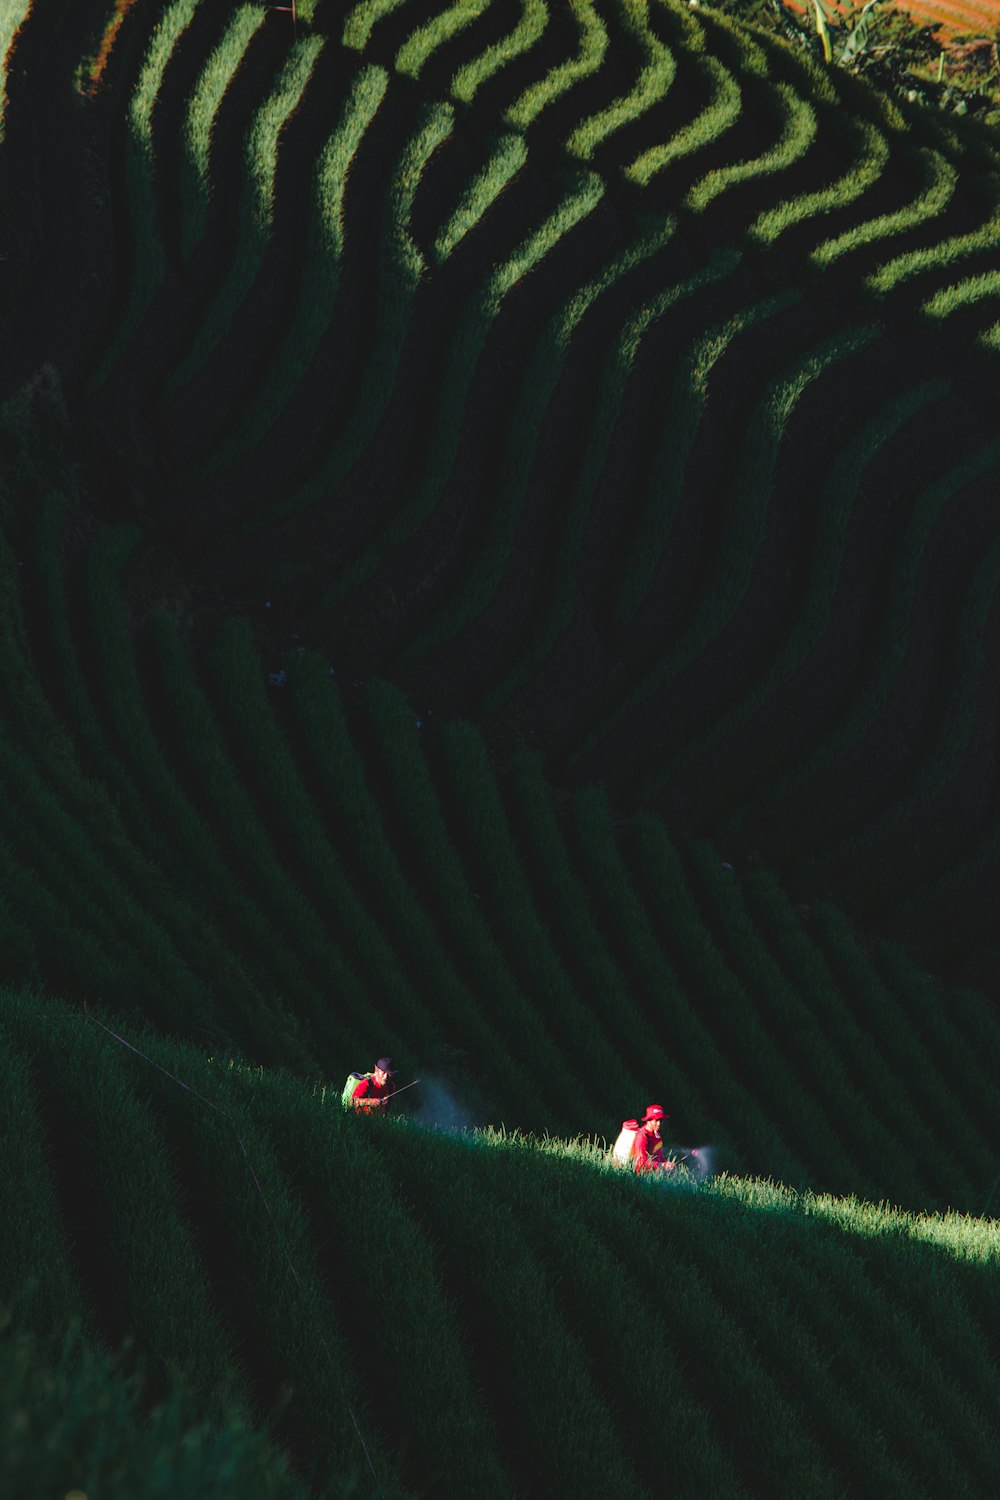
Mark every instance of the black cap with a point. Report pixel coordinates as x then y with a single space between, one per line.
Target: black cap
385 1065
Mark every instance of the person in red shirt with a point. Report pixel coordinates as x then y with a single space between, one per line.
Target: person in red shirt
647 1151
375 1091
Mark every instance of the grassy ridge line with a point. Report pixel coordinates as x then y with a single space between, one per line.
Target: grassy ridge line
344 774
140 171
688 401
508 154
275 1294
977 863
835 511
652 84
900 1082
897 1015
318 874
939 178
502 1267
701 1072
256 206
110 804
478 315
57 849
863 175
191 851
889 654
967 1035
576 931
752 1354
319 287
48 836
479 70
163 1295
201 114
360 22
942 765
756 1048
965 293
555 1089
538 389
593 47
14 15
613 389
309 967
119 540
401 265
891 1313
417 50
798 131
720 114
39 753
747 522
501 876
612 1312
797 996
940 257
725 103
389 1261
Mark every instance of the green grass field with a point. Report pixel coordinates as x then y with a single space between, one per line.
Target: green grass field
499 565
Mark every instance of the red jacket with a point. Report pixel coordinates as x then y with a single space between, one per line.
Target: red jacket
367 1091
647 1152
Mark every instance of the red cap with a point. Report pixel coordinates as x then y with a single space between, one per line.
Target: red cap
655 1112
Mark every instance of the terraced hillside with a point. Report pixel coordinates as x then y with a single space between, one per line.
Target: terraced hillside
340 301
498 549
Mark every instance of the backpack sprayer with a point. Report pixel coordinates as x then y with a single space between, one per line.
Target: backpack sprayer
347 1094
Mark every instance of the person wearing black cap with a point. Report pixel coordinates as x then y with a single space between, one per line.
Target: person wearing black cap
376 1088
647 1151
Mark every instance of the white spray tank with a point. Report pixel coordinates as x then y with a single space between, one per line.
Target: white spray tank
621 1151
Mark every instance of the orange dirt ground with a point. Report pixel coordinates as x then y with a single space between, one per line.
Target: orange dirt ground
956 17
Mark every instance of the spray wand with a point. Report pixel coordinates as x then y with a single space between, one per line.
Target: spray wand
406 1086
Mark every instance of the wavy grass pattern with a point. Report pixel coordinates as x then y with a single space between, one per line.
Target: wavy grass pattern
202 113
139 159
472 75
939 176
261 152
593 46
497 566
652 83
